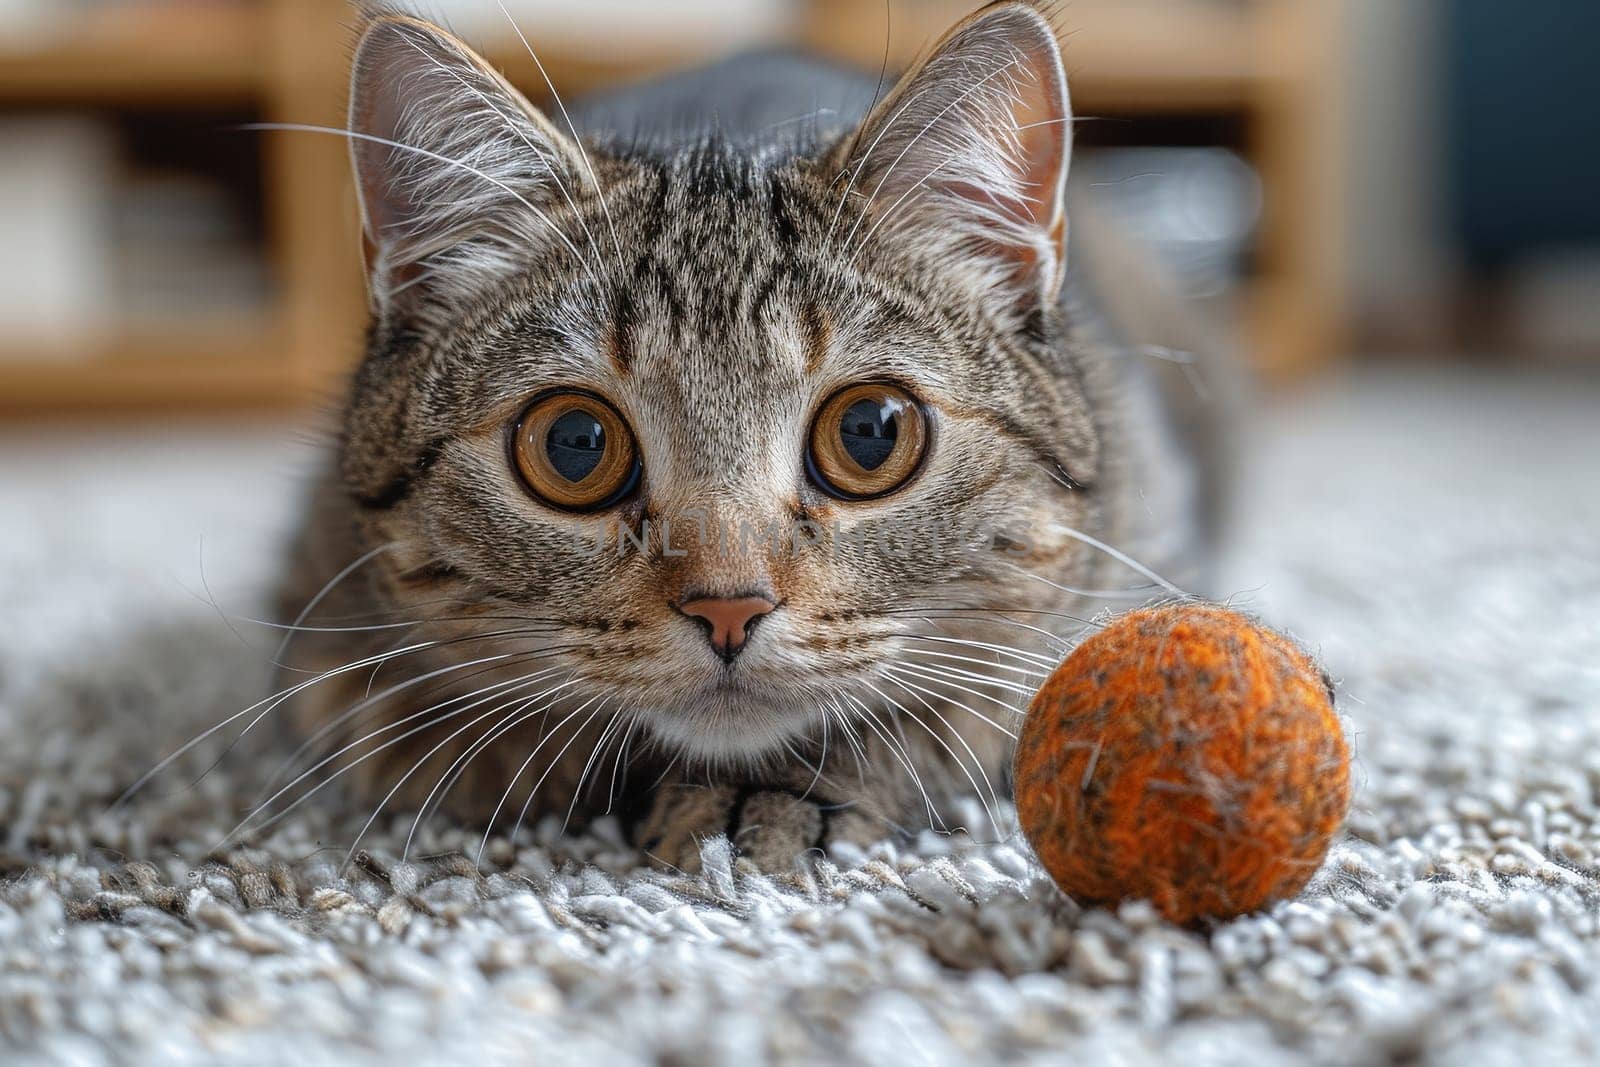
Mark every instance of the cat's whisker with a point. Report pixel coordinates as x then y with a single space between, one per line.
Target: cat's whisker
349 569
1112 551
554 762
428 756
614 725
440 620
833 708
870 720
440 790
822 760
368 702
972 616
906 682
624 753
583 153
371 702
1001 612
346 768
945 671
495 731
302 127
1032 659
268 704
1024 671
413 625
446 781
1132 593
542 155
906 713
408 607
954 681
372 679
677 757
488 829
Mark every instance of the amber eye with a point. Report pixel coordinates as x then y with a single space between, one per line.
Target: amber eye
575 452
867 441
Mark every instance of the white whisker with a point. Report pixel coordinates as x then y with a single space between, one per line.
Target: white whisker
943 670
243 823
865 714
605 208
906 713
488 829
1034 659
301 127
890 670
1024 671
268 704
430 754
311 605
452 774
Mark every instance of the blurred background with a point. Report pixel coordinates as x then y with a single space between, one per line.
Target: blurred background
1347 181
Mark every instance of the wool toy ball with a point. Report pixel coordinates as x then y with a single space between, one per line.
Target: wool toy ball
1186 756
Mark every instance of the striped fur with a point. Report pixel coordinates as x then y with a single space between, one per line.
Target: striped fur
716 270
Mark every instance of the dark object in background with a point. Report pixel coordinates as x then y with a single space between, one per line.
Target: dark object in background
1523 109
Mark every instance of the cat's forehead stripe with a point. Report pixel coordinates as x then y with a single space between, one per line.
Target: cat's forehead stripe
819 335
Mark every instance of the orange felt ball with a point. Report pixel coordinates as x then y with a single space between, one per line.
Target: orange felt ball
1186 756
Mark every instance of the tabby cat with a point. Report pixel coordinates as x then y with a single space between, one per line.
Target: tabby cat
732 453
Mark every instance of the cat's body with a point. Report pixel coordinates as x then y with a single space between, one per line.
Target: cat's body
767 241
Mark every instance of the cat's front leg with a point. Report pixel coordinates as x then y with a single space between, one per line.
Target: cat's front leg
773 824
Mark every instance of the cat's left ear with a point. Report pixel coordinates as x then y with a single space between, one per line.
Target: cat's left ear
970 151
460 177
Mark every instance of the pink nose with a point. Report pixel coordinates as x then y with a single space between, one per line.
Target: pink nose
727 618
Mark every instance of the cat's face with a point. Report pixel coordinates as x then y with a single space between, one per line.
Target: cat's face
732 433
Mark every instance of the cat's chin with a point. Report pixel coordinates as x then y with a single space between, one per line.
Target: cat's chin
731 728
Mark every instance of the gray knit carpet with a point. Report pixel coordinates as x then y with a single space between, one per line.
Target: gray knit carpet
1434 538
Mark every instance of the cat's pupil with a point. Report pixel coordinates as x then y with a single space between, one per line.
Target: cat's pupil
869 431
575 444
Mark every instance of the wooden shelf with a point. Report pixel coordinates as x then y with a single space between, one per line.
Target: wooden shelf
1121 55
574 73
207 54
1271 62
183 366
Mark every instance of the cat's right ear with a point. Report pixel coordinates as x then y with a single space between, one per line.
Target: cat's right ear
458 173
967 157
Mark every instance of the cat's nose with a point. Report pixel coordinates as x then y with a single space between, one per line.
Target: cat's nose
727 619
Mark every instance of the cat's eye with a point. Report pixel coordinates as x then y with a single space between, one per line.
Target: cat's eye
575 451
867 440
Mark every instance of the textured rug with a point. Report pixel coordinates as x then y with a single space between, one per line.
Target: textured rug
1435 539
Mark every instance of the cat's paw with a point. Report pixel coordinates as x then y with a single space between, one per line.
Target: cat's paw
772 828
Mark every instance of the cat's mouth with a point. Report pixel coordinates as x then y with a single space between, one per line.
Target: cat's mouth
736 711
774 689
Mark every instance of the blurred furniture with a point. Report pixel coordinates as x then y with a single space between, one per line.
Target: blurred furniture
1268 69
1268 63
272 60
